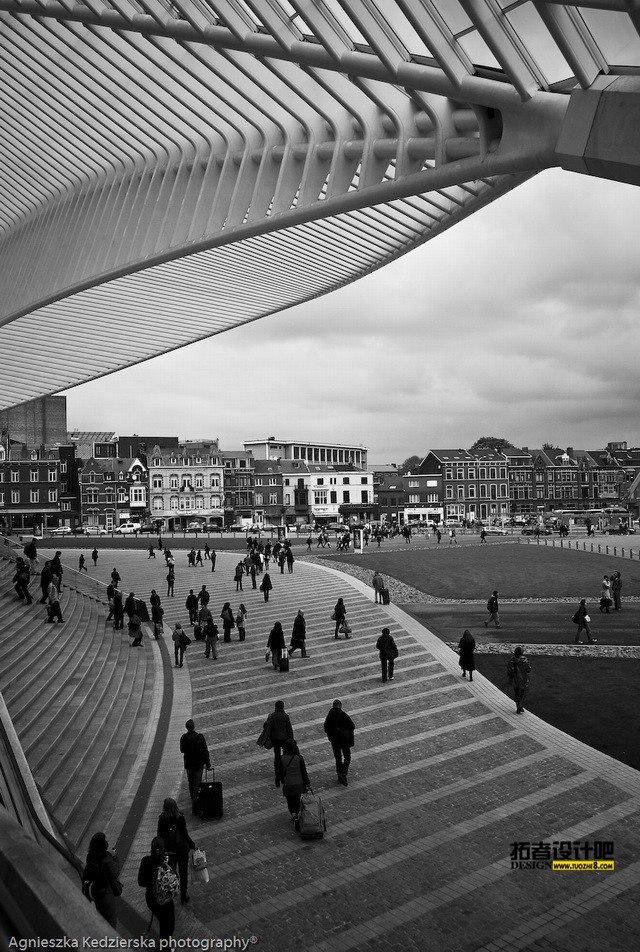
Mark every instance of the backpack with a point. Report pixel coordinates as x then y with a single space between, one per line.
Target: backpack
166 884
94 881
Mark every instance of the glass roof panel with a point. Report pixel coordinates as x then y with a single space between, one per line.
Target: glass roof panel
615 35
410 38
453 15
347 25
478 51
529 26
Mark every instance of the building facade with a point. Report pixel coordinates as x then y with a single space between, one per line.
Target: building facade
113 491
29 487
186 484
335 454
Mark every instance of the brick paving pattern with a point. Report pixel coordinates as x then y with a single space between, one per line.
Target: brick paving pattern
444 778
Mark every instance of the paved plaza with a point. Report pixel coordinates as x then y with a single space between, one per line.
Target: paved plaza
445 778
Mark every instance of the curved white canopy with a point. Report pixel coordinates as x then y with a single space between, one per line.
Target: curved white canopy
173 169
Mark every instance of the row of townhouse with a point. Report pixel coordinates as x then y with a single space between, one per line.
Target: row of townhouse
457 485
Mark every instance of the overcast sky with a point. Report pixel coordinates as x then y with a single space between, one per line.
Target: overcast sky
522 322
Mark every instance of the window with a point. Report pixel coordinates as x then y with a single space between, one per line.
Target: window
65 506
53 495
472 474
63 467
459 474
471 492
199 481
199 502
432 497
92 496
320 497
259 499
34 495
173 502
15 476
321 481
92 477
364 480
365 495
345 480
448 473
173 481
52 476
137 495
109 496
334 496
158 504
483 473
1 499
460 492
215 502
483 492
157 461
33 475
287 482
493 474
34 454
215 481
414 483
346 496
449 493
15 495
414 498
273 480
273 499
157 482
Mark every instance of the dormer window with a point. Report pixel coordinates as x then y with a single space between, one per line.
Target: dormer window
34 454
157 461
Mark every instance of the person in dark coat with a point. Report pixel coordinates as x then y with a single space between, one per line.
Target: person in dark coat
94 556
193 747
290 559
518 671
118 611
388 654
213 556
135 630
130 604
467 646
21 581
171 581
115 577
493 608
581 619
191 605
339 614
109 866
165 914
266 585
239 572
295 779
616 591
228 621
172 827
56 568
277 644
157 612
339 728
299 634
280 730
46 577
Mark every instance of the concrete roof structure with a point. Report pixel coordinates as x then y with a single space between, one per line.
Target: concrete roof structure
238 158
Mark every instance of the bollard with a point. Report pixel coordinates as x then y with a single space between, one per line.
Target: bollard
622 553
606 548
598 549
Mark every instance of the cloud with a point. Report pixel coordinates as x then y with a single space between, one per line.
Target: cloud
520 321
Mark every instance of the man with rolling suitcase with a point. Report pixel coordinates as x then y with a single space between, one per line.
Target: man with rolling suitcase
196 757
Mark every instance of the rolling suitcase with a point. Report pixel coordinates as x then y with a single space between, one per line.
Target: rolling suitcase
208 801
311 820
284 661
386 598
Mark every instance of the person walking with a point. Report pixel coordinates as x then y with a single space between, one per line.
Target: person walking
466 647
295 779
203 596
439 536
253 572
339 616
56 568
616 591
239 572
582 619
241 623
147 873
518 671
191 605
193 747
452 536
130 604
31 552
179 646
151 551
21 581
206 550
290 559
379 585
135 630
494 610
309 542
157 613
483 536
53 604
100 881
172 827
299 634
266 585
115 577
279 730
210 630
213 556
199 558
171 581
388 653
46 577
228 622
339 729
94 556
276 644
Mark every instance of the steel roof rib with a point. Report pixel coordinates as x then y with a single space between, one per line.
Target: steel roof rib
172 170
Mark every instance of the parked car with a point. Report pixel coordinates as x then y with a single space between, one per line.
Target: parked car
195 527
60 530
214 527
496 530
96 530
80 530
235 528
536 530
128 528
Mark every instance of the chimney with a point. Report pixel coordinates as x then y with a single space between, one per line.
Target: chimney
525 449
569 450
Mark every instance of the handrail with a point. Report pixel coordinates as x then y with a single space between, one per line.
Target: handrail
27 799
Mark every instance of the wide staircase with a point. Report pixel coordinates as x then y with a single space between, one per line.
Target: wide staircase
79 699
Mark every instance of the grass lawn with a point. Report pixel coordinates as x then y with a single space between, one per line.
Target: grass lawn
592 699
517 571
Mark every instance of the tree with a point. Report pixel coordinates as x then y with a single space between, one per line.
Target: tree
552 448
496 443
411 463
